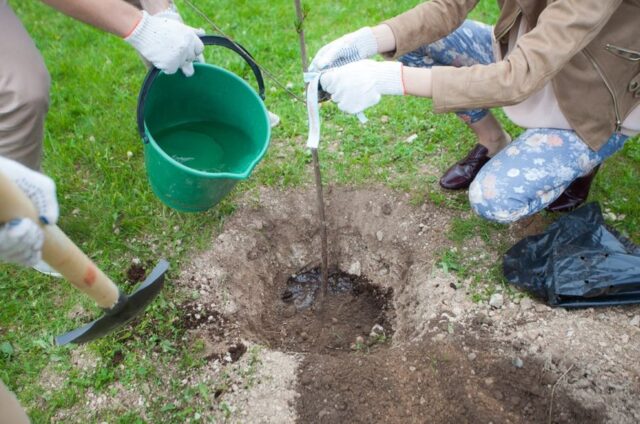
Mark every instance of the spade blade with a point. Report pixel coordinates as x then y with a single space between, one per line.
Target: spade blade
134 305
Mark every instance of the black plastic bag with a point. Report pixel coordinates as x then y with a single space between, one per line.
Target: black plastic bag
577 262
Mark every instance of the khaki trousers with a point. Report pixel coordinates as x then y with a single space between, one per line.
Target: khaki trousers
24 87
24 92
24 102
10 410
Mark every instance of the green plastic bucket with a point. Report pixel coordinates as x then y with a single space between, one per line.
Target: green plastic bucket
201 134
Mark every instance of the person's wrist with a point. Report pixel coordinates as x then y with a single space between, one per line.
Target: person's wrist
170 12
385 38
136 20
367 44
389 78
137 28
418 81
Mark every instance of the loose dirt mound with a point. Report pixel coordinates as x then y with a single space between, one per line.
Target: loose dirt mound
429 383
436 355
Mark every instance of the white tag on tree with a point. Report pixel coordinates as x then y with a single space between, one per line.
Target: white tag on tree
313 79
313 110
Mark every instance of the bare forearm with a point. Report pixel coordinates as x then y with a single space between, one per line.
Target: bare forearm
417 81
114 16
385 38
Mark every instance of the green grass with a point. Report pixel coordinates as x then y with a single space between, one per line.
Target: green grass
109 210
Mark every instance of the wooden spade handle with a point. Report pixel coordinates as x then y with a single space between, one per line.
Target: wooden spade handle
58 250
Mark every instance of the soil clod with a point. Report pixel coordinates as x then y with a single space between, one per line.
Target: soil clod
198 316
236 351
136 273
117 358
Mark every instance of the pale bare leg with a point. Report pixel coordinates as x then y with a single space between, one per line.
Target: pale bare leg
490 134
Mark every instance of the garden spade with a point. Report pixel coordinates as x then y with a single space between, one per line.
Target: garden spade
66 258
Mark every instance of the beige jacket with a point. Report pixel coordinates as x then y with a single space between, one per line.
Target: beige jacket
589 49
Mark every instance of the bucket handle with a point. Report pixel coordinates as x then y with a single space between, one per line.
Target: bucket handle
207 40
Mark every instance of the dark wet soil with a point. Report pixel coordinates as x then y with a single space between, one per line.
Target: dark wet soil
352 307
303 288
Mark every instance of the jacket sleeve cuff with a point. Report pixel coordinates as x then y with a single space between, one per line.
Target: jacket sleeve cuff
426 23
439 82
453 89
393 24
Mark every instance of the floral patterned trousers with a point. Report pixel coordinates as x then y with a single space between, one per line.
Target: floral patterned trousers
535 168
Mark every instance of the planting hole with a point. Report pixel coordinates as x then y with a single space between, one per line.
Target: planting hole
352 311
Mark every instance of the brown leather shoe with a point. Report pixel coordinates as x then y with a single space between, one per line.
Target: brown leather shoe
462 173
574 195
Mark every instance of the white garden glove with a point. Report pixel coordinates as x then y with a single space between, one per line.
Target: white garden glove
349 48
360 85
168 44
21 242
39 188
172 13
21 239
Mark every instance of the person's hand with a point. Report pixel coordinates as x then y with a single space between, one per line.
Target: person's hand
21 239
39 188
351 47
21 242
167 43
172 13
360 85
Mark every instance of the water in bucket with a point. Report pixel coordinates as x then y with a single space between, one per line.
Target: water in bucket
207 146
202 134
